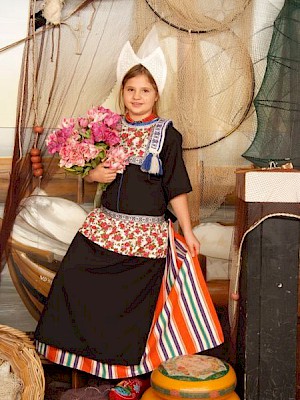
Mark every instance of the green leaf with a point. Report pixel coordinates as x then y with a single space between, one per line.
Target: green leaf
78 169
86 134
95 163
69 169
86 172
101 155
102 145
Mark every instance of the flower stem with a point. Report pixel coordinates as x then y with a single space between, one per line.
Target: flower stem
100 189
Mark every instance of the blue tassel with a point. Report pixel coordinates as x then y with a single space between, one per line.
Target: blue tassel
147 163
152 164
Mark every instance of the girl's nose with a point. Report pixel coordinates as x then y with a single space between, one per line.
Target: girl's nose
136 94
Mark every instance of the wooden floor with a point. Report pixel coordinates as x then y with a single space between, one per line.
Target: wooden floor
13 313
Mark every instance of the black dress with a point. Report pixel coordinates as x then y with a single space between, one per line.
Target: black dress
102 300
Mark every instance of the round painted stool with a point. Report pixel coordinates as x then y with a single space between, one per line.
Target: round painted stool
192 377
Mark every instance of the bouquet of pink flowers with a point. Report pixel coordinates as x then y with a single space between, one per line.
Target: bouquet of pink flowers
83 142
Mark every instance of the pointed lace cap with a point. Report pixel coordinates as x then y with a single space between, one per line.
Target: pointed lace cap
150 55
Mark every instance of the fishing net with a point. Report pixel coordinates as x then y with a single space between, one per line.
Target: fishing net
215 53
277 103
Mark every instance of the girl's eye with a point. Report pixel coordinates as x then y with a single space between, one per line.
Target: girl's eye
146 90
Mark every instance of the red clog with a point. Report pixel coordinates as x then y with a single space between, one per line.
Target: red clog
129 389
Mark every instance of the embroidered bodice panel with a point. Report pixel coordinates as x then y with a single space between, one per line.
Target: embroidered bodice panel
135 140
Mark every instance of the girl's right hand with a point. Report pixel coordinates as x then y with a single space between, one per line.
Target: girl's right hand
102 174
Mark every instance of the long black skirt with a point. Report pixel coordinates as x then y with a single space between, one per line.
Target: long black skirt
101 304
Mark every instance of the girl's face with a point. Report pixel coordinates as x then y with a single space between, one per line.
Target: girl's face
139 97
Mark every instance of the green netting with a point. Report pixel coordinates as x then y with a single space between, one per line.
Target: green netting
277 103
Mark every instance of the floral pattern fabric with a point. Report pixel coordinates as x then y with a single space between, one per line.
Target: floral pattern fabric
135 141
131 235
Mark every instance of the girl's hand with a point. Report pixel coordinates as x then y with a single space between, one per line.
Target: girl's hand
102 174
192 243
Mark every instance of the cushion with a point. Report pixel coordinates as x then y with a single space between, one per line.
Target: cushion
215 239
26 234
56 217
217 268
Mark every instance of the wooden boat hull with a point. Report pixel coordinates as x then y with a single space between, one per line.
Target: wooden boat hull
32 272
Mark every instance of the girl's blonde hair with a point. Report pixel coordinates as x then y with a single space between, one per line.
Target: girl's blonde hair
136 70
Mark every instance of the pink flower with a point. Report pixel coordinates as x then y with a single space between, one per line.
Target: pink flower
57 139
68 123
112 120
83 142
111 138
90 151
95 115
83 122
117 158
76 153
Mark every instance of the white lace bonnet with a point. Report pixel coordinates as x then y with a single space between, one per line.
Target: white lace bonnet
150 55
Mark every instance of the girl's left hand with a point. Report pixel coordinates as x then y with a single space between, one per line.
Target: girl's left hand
192 243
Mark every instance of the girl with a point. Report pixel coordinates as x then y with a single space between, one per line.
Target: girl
104 300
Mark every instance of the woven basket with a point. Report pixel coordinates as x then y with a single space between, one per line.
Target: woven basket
19 351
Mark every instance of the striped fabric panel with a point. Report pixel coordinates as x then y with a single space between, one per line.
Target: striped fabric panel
187 322
184 322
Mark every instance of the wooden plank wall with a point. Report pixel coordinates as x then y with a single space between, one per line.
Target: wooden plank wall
62 184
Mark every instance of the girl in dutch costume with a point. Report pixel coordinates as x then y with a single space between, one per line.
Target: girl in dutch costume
129 293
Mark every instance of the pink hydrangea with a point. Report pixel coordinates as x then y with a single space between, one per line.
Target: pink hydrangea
83 142
117 159
57 139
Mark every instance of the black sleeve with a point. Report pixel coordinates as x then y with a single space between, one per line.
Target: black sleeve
175 177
